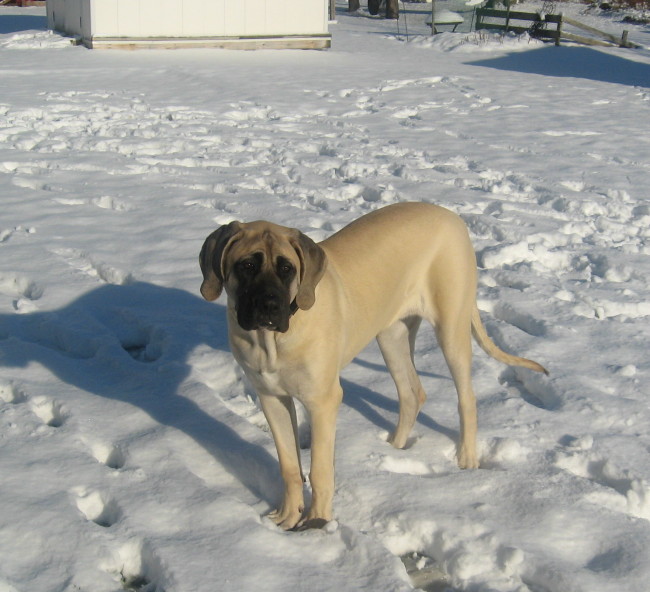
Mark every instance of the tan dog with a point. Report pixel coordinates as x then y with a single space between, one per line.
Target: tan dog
298 312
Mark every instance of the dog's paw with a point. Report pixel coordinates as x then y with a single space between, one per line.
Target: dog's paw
467 459
286 519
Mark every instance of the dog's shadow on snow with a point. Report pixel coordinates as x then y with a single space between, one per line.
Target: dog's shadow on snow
369 403
132 343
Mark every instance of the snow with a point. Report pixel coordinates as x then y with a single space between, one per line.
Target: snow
132 453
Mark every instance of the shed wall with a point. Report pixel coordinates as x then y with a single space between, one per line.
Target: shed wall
188 19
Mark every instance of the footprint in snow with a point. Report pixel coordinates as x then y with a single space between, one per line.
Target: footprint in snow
88 265
524 321
535 390
506 279
22 289
97 507
425 573
618 489
500 453
110 455
136 567
48 411
404 466
143 342
9 233
106 202
10 392
465 551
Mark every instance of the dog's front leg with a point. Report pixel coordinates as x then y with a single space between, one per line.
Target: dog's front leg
280 412
323 411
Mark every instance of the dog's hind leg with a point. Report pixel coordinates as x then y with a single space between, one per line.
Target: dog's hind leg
396 344
455 339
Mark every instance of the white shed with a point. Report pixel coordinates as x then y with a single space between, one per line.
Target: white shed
244 24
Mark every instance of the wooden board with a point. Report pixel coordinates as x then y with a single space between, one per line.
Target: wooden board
296 42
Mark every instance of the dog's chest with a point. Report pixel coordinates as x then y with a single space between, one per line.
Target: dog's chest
259 357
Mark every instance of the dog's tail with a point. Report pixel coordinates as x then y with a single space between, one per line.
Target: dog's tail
492 350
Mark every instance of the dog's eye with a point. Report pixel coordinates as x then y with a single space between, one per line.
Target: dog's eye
285 268
247 266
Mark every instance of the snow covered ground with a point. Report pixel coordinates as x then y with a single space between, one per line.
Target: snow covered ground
132 453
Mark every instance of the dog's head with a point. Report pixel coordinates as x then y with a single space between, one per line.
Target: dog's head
267 271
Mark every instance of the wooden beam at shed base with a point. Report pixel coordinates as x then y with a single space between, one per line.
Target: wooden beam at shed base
244 43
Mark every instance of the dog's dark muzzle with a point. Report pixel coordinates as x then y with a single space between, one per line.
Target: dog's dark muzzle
266 307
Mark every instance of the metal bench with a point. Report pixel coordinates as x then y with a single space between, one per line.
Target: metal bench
446 17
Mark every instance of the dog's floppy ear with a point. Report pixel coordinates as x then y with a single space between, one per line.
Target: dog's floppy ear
211 258
313 263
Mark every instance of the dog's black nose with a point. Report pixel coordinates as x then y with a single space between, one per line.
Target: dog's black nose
269 303
269 310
